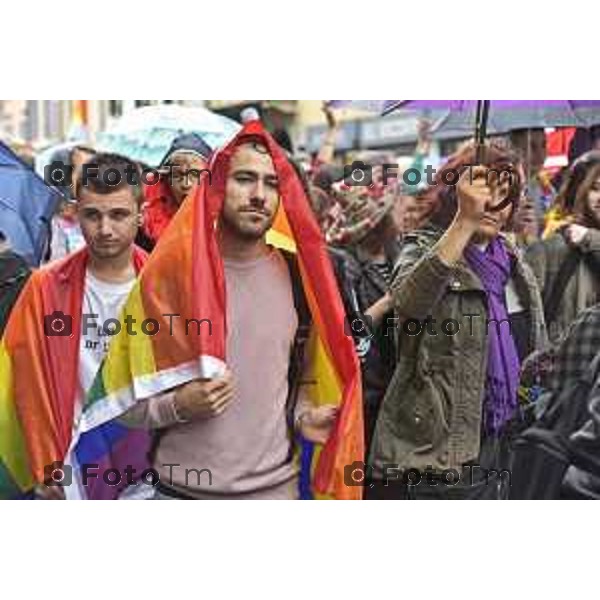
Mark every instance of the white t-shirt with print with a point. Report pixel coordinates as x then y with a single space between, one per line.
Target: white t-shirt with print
102 301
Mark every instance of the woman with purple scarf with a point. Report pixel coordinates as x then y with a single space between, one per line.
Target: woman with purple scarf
468 311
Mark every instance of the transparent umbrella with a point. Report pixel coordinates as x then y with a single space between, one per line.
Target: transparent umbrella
146 134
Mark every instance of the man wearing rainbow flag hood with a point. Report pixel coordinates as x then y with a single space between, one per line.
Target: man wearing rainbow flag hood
54 344
212 377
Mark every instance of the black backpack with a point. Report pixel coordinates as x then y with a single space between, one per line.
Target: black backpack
543 453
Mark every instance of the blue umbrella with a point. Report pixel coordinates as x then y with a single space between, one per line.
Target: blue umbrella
26 206
146 134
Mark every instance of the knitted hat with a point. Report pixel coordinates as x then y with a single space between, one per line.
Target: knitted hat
190 143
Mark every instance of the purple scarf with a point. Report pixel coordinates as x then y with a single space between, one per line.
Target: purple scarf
493 267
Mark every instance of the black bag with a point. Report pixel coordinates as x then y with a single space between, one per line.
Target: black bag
543 452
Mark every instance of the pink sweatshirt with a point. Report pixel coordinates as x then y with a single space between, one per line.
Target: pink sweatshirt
246 447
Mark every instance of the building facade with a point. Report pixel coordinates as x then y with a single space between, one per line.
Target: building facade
299 123
304 121
39 123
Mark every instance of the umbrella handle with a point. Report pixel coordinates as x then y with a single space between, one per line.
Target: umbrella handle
481 121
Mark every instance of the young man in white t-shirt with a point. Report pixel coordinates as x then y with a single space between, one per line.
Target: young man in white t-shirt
109 216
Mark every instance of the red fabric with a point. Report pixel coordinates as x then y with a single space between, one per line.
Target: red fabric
559 140
48 366
159 210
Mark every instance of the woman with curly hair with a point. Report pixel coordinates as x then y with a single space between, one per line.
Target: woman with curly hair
469 311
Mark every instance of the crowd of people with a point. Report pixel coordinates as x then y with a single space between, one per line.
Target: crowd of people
460 315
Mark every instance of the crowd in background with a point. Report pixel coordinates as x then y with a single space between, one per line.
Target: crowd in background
406 253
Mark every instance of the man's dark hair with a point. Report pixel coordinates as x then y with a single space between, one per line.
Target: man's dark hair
102 169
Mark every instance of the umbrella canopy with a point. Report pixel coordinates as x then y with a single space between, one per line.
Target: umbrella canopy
26 206
457 118
505 115
146 134
481 117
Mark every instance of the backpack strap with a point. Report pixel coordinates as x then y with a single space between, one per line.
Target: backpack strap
555 291
299 345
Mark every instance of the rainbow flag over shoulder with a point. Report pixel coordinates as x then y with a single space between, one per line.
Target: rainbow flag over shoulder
39 382
184 280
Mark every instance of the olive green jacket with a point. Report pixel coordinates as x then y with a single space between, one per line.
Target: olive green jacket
581 291
432 412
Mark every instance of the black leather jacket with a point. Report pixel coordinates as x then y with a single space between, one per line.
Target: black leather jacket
362 283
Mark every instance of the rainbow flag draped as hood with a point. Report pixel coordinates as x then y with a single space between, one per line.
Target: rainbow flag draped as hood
184 279
38 386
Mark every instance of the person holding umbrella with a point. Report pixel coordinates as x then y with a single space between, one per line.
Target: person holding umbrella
469 311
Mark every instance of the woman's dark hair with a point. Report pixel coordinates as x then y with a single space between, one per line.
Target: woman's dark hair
440 203
576 185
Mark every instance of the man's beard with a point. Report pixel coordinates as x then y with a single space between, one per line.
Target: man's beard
250 234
